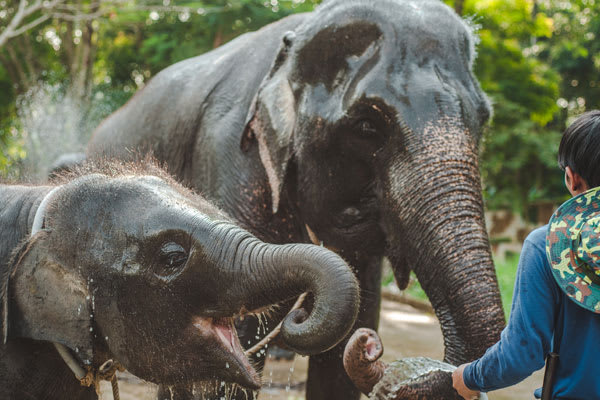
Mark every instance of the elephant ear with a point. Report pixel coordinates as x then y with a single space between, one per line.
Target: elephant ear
271 120
43 300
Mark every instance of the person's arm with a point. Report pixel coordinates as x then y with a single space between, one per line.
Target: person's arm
527 338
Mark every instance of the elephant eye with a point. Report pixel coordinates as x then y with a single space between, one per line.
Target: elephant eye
172 256
367 127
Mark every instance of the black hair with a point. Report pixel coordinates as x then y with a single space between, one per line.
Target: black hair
579 147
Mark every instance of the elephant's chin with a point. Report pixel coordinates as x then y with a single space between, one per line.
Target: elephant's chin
222 332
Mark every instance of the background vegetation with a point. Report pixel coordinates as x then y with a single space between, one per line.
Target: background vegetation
65 64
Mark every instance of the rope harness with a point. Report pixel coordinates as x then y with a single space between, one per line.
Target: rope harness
88 376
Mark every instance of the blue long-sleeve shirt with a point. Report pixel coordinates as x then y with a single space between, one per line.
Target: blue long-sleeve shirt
539 310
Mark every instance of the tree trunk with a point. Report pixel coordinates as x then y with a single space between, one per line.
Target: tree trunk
12 73
218 38
459 6
22 80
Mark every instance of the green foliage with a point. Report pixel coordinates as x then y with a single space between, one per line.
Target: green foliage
537 62
145 43
519 148
506 271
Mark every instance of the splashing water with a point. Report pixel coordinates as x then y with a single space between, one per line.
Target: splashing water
289 380
52 122
270 383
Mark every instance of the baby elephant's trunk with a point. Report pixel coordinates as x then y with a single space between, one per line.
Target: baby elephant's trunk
262 274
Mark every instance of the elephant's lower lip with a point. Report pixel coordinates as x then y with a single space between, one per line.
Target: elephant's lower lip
223 330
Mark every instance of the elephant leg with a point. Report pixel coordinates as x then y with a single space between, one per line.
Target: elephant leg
327 379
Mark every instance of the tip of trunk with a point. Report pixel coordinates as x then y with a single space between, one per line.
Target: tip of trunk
336 301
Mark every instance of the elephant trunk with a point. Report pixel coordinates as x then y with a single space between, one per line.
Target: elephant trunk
467 300
262 274
442 237
361 359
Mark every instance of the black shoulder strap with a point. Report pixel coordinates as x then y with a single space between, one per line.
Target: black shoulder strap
552 358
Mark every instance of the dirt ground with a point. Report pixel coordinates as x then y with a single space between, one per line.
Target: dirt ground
405 331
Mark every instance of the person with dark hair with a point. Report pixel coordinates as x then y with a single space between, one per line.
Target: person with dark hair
556 302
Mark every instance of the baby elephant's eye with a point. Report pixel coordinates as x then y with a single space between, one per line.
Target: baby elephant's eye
172 256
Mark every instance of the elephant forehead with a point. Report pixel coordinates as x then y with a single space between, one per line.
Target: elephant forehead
130 205
413 19
166 207
158 189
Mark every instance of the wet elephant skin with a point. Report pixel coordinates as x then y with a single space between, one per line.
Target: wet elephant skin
130 266
357 125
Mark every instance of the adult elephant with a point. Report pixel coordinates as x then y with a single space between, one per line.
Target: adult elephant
356 125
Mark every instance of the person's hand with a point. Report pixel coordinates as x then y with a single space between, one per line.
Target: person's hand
459 384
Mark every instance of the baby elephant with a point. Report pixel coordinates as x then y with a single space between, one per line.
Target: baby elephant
124 264
417 378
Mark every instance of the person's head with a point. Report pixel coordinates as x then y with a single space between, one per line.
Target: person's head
579 153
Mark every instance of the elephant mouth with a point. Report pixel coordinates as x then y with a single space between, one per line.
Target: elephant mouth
225 331
222 332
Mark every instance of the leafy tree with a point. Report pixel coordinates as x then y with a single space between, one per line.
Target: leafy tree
519 150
